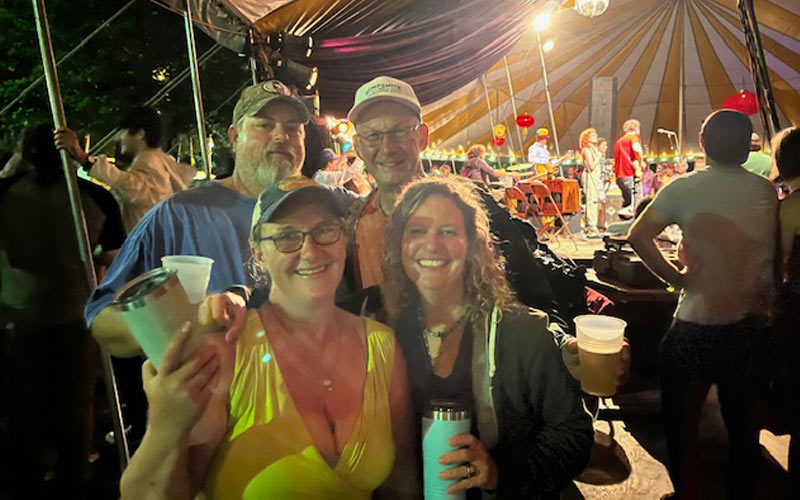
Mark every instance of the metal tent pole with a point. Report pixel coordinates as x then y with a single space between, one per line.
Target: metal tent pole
758 68
547 94
488 102
60 121
681 90
198 95
513 104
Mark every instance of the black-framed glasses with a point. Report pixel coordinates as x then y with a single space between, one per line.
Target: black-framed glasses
292 241
375 138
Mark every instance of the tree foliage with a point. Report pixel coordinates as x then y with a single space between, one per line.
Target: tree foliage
114 71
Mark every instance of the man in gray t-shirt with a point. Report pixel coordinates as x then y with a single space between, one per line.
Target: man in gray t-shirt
729 221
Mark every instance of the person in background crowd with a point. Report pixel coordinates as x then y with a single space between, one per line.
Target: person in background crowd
346 172
289 420
43 288
757 162
628 166
602 146
592 179
476 169
466 339
445 170
729 222
223 163
316 141
12 161
786 151
153 176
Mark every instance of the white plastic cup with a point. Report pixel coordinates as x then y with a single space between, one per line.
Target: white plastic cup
600 340
194 272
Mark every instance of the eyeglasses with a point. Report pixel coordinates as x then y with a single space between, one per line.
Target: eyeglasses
375 138
292 241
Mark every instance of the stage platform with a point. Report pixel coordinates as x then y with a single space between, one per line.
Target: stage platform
577 248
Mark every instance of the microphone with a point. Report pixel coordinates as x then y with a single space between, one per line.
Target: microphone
665 131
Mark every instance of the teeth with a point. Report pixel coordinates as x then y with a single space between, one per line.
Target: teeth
308 272
430 263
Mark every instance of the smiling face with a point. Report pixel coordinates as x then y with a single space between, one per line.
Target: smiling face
593 137
392 158
434 247
269 146
308 274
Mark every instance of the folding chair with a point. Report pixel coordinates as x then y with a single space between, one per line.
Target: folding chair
548 208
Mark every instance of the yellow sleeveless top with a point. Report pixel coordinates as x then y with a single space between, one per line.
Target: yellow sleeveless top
268 453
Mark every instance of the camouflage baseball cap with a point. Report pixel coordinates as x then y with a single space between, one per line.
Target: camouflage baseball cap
257 96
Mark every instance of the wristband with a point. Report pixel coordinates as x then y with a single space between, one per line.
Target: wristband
89 162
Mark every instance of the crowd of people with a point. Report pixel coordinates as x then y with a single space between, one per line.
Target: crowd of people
344 306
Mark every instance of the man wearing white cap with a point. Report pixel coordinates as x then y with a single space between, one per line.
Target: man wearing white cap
390 136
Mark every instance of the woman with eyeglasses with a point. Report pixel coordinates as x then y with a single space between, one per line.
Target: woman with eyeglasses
314 402
466 339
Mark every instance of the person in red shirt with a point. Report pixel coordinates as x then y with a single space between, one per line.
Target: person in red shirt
628 165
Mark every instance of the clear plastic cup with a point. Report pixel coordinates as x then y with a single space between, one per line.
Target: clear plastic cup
194 272
600 340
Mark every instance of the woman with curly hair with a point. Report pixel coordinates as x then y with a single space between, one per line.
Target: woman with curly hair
592 179
466 338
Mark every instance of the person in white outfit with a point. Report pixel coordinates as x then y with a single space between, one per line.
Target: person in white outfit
592 179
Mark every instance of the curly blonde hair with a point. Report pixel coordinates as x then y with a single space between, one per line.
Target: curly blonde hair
583 139
485 284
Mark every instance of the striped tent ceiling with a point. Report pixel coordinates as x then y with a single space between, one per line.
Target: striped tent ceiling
639 43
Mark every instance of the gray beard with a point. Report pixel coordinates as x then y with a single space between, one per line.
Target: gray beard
268 175
261 173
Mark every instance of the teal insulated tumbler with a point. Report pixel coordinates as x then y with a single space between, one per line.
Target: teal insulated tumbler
441 421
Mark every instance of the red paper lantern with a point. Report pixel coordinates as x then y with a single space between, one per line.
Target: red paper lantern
525 121
744 102
499 141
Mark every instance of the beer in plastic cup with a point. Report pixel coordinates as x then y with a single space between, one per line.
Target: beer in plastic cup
193 271
600 341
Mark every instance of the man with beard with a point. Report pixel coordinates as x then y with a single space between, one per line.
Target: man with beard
212 220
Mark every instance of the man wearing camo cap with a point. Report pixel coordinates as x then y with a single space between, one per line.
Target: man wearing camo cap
212 220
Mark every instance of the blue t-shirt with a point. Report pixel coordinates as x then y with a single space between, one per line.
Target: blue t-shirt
210 220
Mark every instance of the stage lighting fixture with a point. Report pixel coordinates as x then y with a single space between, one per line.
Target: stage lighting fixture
291 46
542 21
291 72
591 8
547 46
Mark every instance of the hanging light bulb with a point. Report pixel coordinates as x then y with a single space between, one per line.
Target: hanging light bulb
591 8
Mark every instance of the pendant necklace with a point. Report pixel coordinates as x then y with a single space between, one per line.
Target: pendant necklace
433 339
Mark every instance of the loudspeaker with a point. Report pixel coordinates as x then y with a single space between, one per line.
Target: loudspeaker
603 108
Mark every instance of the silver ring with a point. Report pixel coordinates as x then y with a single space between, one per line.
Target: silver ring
469 471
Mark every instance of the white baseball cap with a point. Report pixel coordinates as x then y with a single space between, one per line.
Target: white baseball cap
384 88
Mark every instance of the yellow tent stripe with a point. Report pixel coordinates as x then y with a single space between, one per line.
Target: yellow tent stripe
785 96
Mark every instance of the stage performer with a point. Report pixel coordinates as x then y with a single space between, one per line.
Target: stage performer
592 179
628 166
538 154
